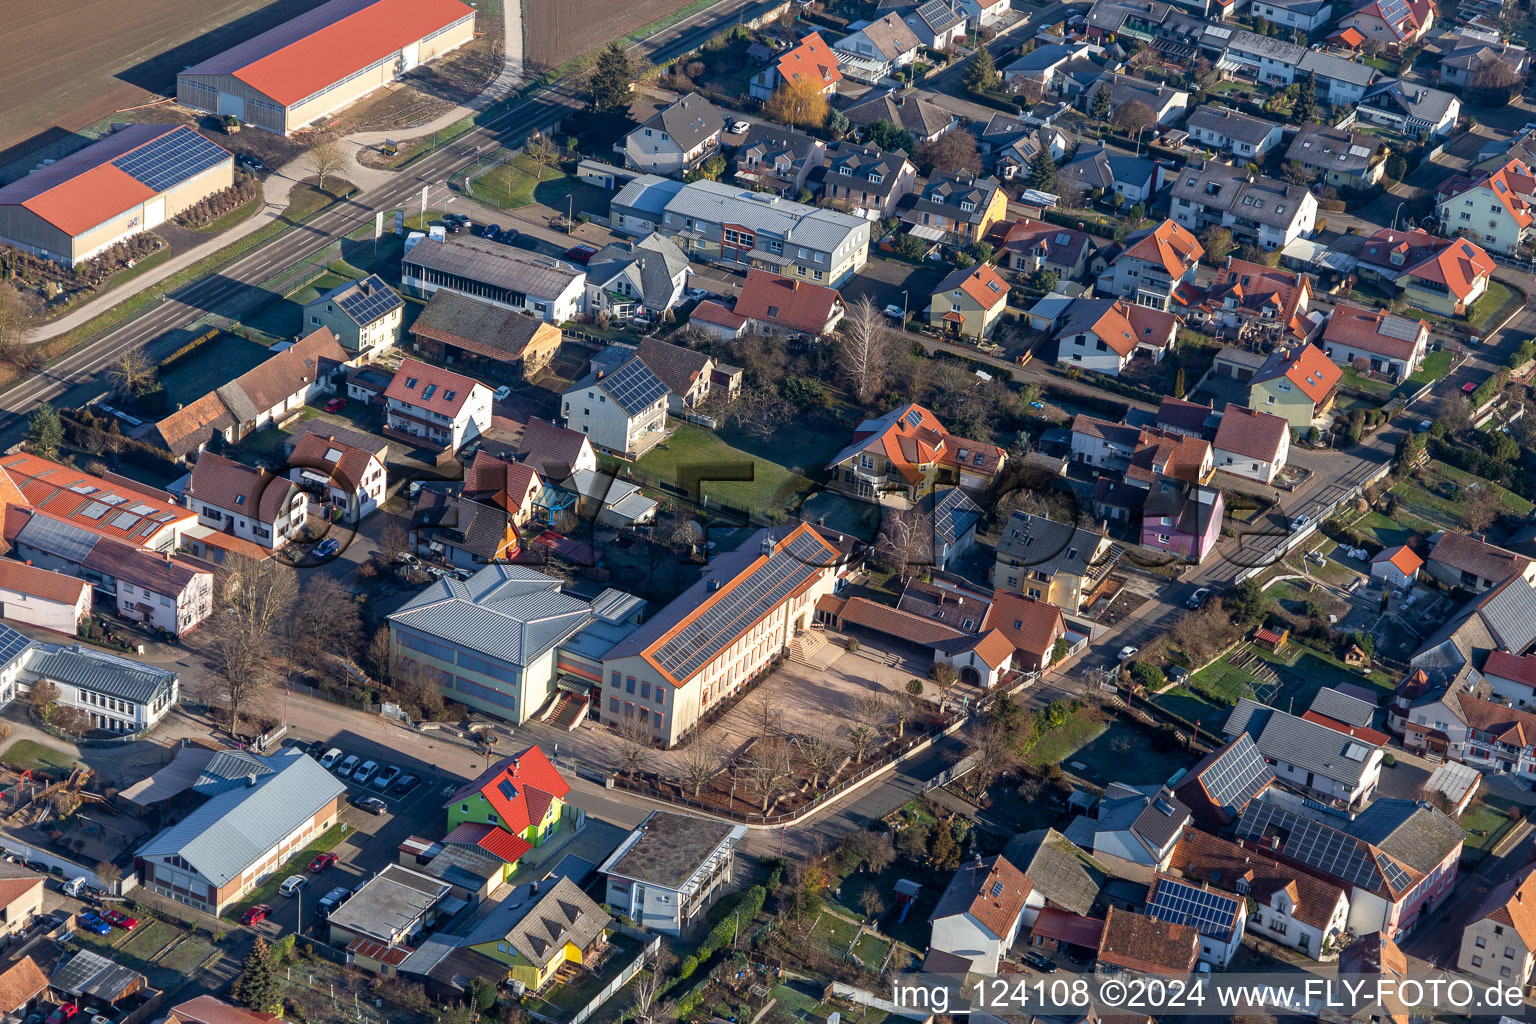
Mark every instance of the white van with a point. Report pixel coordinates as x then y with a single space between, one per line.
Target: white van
75 886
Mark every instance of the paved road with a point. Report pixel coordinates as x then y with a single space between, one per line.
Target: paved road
240 280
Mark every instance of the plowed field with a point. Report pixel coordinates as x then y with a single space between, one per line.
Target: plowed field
557 30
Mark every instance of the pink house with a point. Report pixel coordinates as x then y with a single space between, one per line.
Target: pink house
1183 518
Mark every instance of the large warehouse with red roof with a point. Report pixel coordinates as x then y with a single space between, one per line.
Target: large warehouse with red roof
131 181
323 60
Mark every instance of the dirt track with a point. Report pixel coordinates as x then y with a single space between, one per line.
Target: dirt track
73 62
554 31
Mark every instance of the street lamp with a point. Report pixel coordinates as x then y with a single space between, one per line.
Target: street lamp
1394 215
903 307
570 211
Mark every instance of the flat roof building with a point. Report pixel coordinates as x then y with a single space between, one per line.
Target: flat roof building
323 60
131 181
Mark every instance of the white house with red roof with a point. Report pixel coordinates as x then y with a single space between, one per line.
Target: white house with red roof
1375 340
512 807
771 304
812 60
1493 210
348 478
1251 444
1151 268
1442 275
428 405
43 598
109 506
255 505
1392 23
1513 677
131 181
906 454
1398 565
1244 292
323 60
980 912
1104 335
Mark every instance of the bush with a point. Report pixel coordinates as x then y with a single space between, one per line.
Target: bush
1387 760
1148 675
245 189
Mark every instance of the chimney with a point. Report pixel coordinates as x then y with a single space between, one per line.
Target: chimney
794 286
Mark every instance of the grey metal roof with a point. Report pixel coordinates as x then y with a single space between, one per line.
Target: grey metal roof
649 193
225 835
1232 124
1510 611
1040 58
1417 834
100 672
509 612
228 769
1341 707
808 226
390 903
1328 65
1048 546
1057 869
494 264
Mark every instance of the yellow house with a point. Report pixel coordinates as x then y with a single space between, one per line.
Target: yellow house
957 208
537 933
969 302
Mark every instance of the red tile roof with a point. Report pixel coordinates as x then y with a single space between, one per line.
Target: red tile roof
798 305
861 611
21 983
495 841
992 891
1063 246
1031 626
1257 435
1508 185
1504 724
711 312
993 648
1506 904
379 952
433 388
1456 263
1361 328
1371 736
89 199
1402 558
1065 926
348 469
50 586
105 507
232 486
1168 246
811 61
518 788
1207 858
1136 942
1307 367
1508 666
321 58
208 1010
985 286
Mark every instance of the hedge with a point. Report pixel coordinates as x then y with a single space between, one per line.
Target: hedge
1105 406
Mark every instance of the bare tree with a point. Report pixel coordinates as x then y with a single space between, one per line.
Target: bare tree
72 722
252 598
1135 117
874 850
325 157
1496 80
648 1009
759 411
864 350
907 705
634 745
393 542
131 373
869 902
866 722
380 655
768 768
1480 506
14 323
325 621
1070 193
45 698
700 761
945 678
819 752
994 753
765 713
905 540
1457 414
543 152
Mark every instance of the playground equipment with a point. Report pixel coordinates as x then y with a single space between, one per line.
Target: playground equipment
906 895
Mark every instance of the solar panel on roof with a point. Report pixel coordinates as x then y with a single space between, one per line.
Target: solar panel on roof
95 510
634 387
83 489
1396 327
141 509
112 499
1396 876
124 520
1237 776
171 159
370 301
1312 843
12 643
1393 11
1212 914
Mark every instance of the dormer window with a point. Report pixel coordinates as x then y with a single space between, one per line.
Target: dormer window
875 179
967 206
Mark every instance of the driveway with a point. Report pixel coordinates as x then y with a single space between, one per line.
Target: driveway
883 282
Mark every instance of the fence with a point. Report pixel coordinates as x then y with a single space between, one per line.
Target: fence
622 978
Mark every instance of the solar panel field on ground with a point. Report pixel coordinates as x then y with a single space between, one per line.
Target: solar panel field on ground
85 59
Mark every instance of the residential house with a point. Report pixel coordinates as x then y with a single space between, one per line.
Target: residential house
1032 626
1511 677
1040 66
1393 25
238 837
23 984
667 872
957 208
21 902
624 411
1385 970
1333 768
1031 245
981 661
545 288
1058 563
351 479
1218 915
1142 453
1375 340
636 280
811 60
1189 418
474 333
1015 147
1133 830
1397 858
689 375
772 158
773 305
115 694
1136 943
980 14
534 935
448 525
1468 65
723 632
873 51
1471 563
1398 566
1292 907
1111 172
923 119
1343 158
1492 209
1498 942
255 505
675 139
907 454
1297 383
363 315
141 515
496 479
490 642
1219 788
1442 275
1414 110
1061 876
395 908
980 912
555 452
712 221
1182 517
1269 59
1301 15
270 393
1104 335
1256 209
43 598
1246 139
969 302
1168 105
1501 618
1340 82
1156 268
431 405
510 808
1251 444
1252 295
939 24
871 182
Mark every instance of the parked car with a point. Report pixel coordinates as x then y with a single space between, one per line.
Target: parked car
64 1011
321 862
1198 598
406 558
327 548
387 777
456 218
1128 652
895 312
329 758
740 127
253 163
508 236
502 393
364 773
345 769
331 900
405 785
371 804
581 253
92 922
293 885
1468 387
336 404
121 920
256 914
1039 961
491 231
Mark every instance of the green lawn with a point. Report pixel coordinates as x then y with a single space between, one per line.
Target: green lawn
692 451
1485 825
1192 706
1391 531
871 950
522 182
1222 682
1490 310
1123 752
833 933
210 366
1061 744
35 756
297 865
1436 365
1353 378
188 955
1439 499
147 940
